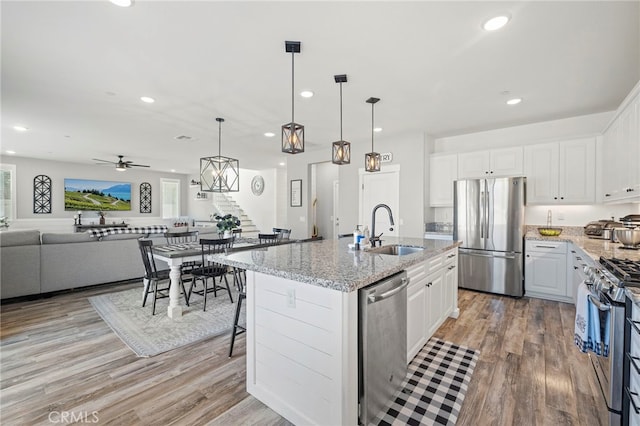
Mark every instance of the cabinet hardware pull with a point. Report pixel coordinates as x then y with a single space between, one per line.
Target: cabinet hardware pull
575 267
634 324
451 255
573 251
451 267
633 361
578 258
631 395
607 195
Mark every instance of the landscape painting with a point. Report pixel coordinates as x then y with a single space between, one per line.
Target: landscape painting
101 195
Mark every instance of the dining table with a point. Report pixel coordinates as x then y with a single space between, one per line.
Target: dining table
177 254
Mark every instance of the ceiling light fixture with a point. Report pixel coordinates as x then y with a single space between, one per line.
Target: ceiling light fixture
292 133
372 159
20 128
306 94
218 173
122 3
10 152
147 99
341 152
495 23
514 101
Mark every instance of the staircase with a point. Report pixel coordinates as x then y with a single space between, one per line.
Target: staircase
224 204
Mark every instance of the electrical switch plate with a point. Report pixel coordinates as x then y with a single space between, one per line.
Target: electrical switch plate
291 298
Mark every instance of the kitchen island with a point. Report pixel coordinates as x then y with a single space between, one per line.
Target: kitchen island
302 320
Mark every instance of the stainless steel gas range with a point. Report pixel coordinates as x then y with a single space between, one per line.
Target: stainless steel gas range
607 281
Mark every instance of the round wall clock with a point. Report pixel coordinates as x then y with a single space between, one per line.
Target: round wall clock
257 185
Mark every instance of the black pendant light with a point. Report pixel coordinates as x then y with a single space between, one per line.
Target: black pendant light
292 133
372 159
341 151
218 173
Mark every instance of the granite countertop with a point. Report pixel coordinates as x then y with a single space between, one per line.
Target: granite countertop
331 264
592 246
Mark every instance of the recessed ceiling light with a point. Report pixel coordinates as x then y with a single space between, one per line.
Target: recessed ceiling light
282 164
147 99
173 170
514 101
306 93
495 23
122 3
20 128
269 134
10 152
377 129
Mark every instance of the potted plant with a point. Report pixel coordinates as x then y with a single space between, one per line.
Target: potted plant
226 224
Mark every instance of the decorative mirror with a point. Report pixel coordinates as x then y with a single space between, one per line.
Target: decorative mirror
145 197
41 194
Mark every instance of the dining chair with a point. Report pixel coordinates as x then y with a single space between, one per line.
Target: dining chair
211 269
283 233
237 233
156 282
271 239
185 237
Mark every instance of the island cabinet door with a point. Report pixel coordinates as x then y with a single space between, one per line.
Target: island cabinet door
434 299
416 319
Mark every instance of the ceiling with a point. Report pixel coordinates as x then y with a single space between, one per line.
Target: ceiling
73 73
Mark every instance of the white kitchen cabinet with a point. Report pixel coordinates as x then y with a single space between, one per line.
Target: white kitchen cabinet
561 172
577 260
492 163
432 296
621 152
545 270
443 171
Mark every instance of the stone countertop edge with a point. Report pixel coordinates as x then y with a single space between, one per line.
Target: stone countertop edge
331 264
594 247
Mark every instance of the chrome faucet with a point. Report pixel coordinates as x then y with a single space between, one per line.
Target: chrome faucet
373 237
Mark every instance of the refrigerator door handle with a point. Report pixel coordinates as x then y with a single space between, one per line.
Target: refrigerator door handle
482 204
506 255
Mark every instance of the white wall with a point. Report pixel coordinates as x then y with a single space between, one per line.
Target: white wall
60 220
261 209
408 152
326 173
566 128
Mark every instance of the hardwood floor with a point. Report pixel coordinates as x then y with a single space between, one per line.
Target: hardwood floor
58 358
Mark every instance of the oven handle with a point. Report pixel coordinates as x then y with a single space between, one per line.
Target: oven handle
601 306
633 359
634 324
631 395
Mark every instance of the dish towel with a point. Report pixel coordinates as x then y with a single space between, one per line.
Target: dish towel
582 325
591 331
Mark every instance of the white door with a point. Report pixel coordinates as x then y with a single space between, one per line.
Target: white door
376 188
336 209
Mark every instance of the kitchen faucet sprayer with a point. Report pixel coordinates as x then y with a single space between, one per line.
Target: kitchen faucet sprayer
375 238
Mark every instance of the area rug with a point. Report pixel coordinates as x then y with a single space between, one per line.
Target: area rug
148 335
433 392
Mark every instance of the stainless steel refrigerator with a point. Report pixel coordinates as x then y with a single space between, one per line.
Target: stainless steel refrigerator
489 220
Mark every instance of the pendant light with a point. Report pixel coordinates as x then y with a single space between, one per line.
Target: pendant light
292 133
372 159
218 173
341 152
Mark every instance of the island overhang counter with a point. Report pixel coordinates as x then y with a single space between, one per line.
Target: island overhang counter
302 321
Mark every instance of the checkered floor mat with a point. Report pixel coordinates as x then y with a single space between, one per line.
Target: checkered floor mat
433 392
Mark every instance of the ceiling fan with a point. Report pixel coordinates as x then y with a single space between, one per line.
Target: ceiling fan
121 165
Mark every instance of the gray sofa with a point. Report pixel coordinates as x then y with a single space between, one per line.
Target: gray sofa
33 263
19 263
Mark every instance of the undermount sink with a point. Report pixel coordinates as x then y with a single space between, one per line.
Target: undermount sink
396 250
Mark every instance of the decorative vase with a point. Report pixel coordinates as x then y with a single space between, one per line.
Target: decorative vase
227 234
102 221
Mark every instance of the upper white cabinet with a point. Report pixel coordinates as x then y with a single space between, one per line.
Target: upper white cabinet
493 163
621 153
443 170
561 172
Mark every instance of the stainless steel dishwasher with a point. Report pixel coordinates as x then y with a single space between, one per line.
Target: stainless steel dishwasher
382 338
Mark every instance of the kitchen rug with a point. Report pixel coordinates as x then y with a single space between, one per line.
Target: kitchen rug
148 335
433 392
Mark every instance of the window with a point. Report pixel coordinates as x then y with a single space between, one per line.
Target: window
170 189
8 191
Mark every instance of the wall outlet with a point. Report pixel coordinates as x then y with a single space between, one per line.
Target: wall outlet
291 298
